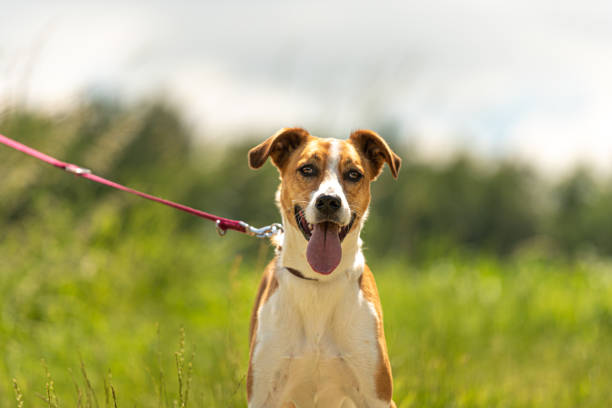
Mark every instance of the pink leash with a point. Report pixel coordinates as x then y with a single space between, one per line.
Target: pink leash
223 224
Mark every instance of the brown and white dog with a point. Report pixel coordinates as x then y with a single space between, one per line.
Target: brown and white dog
316 333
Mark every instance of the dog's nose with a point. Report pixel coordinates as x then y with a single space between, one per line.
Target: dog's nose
328 204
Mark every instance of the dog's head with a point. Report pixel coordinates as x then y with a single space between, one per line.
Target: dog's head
325 186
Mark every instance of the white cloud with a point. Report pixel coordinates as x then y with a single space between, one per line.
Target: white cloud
218 104
52 54
558 142
529 79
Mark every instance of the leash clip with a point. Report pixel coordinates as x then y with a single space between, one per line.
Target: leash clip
220 230
78 170
263 232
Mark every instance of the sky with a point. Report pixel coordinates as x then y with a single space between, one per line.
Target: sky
529 80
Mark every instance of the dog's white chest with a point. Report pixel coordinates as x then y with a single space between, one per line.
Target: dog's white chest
316 346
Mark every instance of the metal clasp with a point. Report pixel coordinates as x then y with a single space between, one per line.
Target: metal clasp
78 170
220 230
263 232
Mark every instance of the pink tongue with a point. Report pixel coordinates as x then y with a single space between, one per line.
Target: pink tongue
324 251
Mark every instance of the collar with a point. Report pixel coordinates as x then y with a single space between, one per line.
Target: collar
299 274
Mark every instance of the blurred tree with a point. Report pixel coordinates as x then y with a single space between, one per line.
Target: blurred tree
432 209
581 218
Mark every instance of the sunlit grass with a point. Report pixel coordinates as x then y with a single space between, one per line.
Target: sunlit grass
462 331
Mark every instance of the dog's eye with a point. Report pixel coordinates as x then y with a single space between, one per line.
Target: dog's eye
353 175
308 170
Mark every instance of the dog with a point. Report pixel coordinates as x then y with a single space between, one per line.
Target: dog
316 332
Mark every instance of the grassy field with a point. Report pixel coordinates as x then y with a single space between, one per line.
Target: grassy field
462 331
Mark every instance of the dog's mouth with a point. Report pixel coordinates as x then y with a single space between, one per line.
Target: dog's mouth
307 228
324 249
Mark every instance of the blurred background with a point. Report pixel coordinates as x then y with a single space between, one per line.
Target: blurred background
492 249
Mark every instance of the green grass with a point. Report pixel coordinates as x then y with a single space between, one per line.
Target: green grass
115 294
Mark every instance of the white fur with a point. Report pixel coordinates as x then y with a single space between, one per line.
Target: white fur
316 344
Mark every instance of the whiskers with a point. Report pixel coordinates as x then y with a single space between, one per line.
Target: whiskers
301 217
300 203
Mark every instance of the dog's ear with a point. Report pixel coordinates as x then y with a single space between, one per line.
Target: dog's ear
376 151
278 146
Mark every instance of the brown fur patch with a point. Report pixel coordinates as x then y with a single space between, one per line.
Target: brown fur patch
357 193
295 188
377 151
384 379
267 287
278 146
